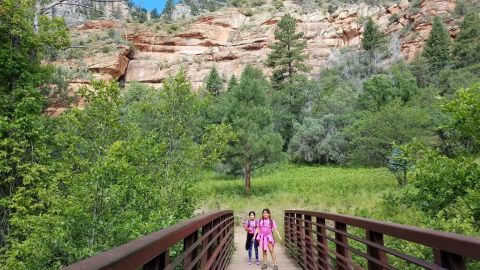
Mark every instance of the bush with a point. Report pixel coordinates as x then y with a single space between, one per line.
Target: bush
374 133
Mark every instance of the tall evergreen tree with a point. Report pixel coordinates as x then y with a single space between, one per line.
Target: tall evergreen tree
168 10
247 109
438 47
287 54
466 50
154 14
373 38
214 83
232 82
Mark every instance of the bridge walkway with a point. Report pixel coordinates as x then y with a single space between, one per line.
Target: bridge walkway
240 259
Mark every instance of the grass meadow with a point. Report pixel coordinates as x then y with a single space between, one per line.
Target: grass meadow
288 186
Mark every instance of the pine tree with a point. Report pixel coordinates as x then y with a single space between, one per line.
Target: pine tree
247 110
437 49
168 10
372 38
232 82
154 14
466 50
214 83
287 54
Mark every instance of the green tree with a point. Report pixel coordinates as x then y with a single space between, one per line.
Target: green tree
154 14
24 151
373 134
464 110
287 56
438 47
168 10
466 49
247 109
377 92
124 168
213 82
232 83
320 138
372 38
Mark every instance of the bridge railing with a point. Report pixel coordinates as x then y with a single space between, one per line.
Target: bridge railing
206 242
327 241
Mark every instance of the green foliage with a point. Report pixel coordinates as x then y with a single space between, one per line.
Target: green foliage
438 47
317 140
320 188
450 80
213 82
168 10
373 134
154 14
399 166
378 91
466 49
287 55
464 110
247 110
232 83
287 105
381 89
320 138
455 179
373 38
124 167
24 153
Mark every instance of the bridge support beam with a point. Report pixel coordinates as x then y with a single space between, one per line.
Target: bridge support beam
448 260
374 252
344 260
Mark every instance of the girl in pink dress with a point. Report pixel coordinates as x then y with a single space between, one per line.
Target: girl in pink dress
264 235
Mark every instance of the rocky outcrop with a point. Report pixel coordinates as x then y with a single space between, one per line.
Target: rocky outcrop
76 12
115 66
229 39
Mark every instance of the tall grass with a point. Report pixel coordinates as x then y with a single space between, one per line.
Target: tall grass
332 189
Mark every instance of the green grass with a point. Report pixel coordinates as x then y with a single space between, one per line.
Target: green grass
331 189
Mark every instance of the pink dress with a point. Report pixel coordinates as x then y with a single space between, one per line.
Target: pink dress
265 233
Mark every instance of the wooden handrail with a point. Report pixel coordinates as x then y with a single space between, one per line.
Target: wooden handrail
307 239
205 239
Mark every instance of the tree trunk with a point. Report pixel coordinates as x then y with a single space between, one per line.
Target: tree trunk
247 169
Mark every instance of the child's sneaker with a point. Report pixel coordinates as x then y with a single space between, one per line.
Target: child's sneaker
275 267
264 266
258 262
249 262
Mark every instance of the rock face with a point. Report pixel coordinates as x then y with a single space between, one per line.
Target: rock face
77 12
229 39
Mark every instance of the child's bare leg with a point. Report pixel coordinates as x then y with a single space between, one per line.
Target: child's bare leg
272 252
265 257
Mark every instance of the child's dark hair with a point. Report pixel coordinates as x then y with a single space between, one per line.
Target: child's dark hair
251 212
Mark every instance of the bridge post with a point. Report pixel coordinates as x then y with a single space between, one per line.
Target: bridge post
299 240
208 253
159 262
308 254
188 242
374 252
323 247
448 260
343 254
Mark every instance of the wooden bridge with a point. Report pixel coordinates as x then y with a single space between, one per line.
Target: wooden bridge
313 240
